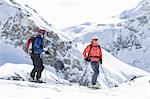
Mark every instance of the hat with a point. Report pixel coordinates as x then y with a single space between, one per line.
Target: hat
95 37
41 31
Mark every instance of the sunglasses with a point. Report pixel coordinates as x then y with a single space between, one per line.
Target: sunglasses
95 39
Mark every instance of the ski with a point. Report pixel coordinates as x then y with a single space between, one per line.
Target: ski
94 87
38 81
35 81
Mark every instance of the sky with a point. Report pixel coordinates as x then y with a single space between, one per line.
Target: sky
66 13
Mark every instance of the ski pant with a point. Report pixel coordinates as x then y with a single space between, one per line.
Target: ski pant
38 66
95 67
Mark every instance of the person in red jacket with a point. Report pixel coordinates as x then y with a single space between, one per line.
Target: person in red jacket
93 54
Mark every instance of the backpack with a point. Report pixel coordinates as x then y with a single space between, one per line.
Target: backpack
91 48
29 45
88 57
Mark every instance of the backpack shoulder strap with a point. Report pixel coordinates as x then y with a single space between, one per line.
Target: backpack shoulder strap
32 39
99 46
90 49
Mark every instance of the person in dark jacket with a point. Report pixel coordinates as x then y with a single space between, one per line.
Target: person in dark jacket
36 56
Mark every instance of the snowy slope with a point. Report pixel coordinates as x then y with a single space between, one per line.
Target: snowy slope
5 8
127 40
116 71
16 65
21 72
67 52
15 29
22 22
10 54
137 89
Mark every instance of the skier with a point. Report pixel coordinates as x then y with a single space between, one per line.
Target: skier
93 54
36 56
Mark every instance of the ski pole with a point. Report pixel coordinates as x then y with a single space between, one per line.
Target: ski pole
45 75
105 76
58 77
81 80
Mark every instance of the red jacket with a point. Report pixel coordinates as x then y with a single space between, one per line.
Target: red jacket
95 52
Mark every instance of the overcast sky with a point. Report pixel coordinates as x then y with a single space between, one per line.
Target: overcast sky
66 13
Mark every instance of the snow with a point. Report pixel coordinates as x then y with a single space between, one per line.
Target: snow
10 54
127 40
115 70
15 67
137 89
14 89
10 71
5 8
16 64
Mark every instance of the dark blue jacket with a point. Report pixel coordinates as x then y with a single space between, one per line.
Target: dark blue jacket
38 45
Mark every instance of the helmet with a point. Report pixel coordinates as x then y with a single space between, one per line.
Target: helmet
42 31
95 37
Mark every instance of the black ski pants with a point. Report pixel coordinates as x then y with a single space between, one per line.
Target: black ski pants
38 66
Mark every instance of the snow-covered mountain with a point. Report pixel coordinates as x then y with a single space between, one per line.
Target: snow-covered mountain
15 65
128 40
116 71
14 84
20 22
10 54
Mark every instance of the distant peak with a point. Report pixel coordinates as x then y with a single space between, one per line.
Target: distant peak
86 23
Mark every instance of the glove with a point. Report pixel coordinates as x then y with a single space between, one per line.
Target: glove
87 59
45 48
47 52
100 60
42 54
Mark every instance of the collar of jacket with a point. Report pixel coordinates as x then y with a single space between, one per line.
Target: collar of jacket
39 36
94 44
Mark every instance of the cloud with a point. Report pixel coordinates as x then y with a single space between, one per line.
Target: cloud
64 13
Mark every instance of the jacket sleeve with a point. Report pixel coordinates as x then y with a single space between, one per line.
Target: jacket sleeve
85 52
38 44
